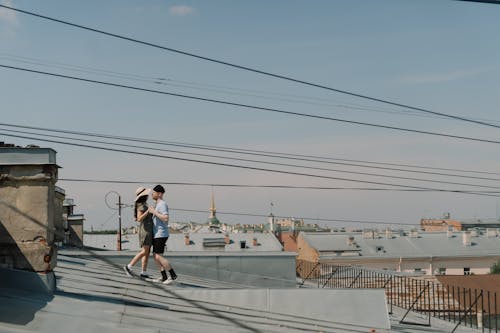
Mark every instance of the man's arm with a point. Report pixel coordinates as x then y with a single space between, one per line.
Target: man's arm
161 212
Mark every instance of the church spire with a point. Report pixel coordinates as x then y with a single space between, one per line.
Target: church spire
212 206
213 222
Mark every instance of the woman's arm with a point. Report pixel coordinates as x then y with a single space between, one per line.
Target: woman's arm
141 215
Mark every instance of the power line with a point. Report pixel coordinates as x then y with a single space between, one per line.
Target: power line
246 106
278 76
170 183
156 80
240 151
301 157
262 162
297 218
244 167
494 2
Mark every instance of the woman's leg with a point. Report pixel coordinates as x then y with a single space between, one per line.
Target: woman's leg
145 258
136 258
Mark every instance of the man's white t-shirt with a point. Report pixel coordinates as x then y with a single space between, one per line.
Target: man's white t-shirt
160 228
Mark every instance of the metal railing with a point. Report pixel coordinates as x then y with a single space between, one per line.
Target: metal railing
475 308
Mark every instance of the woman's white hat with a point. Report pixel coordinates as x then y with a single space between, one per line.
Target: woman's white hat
140 192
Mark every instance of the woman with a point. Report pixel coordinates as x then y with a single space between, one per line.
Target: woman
145 220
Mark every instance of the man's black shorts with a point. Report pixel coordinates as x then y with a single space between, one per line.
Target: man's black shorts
159 245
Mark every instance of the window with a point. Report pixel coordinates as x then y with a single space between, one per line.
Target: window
467 271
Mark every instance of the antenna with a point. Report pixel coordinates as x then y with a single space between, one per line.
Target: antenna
120 205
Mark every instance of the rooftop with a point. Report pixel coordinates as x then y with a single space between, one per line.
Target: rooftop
266 242
425 244
93 295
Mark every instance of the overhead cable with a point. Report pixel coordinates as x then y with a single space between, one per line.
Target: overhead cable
222 185
300 157
157 80
246 106
256 161
296 218
316 159
241 166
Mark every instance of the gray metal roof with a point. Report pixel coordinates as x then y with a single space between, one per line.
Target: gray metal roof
27 156
94 295
476 221
435 244
267 242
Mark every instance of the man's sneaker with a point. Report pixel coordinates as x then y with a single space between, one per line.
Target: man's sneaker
168 281
144 276
127 270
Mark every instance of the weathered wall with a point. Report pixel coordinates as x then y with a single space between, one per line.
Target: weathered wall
75 232
58 214
305 251
28 216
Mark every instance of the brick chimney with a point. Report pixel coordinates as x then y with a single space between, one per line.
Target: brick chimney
187 241
254 241
227 240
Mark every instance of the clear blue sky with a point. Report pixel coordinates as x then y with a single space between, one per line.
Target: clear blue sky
438 55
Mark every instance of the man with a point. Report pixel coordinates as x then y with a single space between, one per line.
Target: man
160 234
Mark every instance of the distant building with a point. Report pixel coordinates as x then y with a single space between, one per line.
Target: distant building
435 253
196 242
73 228
457 225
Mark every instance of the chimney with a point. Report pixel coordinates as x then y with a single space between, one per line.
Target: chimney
466 238
413 233
254 241
350 240
368 234
227 240
187 241
388 233
449 232
491 232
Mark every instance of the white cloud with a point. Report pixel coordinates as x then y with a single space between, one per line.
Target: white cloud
443 77
181 10
6 15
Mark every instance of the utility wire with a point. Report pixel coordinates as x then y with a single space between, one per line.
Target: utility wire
278 76
220 89
170 183
246 106
309 158
243 166
242 151
256 161
297 218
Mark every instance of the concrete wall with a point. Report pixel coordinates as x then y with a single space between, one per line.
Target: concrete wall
257 270
58 214
28 216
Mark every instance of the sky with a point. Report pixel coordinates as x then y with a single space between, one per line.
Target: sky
440 56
